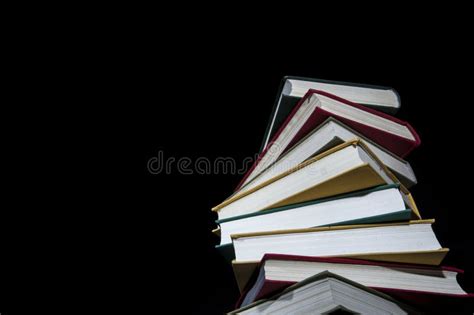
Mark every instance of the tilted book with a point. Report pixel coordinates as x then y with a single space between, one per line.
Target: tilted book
411 283
325 293
314 108
345 168
293 88
326 136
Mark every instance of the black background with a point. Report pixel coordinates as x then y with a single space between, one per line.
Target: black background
101 228
226 115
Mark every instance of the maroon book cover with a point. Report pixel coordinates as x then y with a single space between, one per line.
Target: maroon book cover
416 298
396 144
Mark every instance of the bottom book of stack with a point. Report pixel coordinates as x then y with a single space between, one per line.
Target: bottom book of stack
327 293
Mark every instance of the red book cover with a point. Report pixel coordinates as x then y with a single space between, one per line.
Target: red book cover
416 298
396 144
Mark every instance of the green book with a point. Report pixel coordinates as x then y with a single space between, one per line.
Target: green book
386 203
293 88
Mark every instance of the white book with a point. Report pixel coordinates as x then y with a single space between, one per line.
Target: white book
380 204
356 240
329 134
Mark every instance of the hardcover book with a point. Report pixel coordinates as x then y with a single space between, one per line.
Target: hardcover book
407 242
314 108
385 203
345 168
413 284
293 88
325 293
328 135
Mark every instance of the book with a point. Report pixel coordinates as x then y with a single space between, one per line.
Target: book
293 88
413 284
380 204
345 168
406 242
325 293
329 134
314 108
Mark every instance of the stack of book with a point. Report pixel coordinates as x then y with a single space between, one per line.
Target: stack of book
324 220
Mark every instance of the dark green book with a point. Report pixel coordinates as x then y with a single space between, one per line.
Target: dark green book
387 203
293 88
